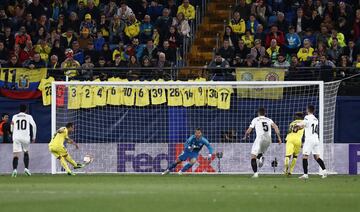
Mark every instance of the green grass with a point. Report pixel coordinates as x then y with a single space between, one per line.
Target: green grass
205 193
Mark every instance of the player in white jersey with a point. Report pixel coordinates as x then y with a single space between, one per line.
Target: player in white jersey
312 143
262 126
23 130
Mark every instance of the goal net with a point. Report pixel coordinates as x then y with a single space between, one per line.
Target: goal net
132 127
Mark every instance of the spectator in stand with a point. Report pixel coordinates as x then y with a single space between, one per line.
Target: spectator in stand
308 7
13 62
260 34
88 24
154 10
231 36
35 62
274 50
87 71
181 24
85 38
300 22
54 62
321 49
27 53
150 51
356 27
77 52
309 35
315 21
324 62
91 51
92 10
339 36
146 29
8 38
162 64
237 24
73 23
275 34
57 50
140 9
169 52
69 63
241 50
351 51
36 9
43 22
357 62
281 22
328 22
260 10
116 31
124 11
106 53
293 41
188 10
67 38
118 62
305 52
163 23
219 62
103 27
264 61
21 37
248 39
5 132
227 52
335 51
29 24
40 34
249 62
4 54
134 49
132 28
43 49
56 9
243 9
252 24
99 41
323 36
110 9
281 62
171 5
135 72
258 50
174 38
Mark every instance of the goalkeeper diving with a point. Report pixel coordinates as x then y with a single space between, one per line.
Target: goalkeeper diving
293 143
192 147
57 148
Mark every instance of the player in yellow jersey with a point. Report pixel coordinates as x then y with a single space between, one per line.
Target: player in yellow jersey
45 88
293 143
224 97
57 148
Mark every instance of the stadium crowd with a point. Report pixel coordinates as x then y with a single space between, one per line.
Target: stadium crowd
292 34
147 33
92 33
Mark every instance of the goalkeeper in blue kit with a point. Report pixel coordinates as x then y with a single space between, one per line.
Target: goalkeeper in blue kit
192 147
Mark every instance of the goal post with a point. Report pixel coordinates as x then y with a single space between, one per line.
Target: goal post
140 127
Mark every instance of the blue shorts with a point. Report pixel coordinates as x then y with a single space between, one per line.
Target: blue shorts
185 155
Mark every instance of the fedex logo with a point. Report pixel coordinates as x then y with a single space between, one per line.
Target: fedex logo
154 158
354 158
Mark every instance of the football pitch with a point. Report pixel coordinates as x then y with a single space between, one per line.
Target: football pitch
172 193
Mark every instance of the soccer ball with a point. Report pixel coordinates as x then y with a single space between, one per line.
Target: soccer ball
88 159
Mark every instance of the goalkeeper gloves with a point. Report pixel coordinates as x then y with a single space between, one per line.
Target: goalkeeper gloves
209 156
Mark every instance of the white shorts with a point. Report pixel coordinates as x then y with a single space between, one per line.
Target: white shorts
311 146
20 145
260 145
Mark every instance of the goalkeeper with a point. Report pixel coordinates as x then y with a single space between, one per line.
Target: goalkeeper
293 143
57 148
192 147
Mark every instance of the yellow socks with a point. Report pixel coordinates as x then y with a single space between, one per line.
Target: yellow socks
293 163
